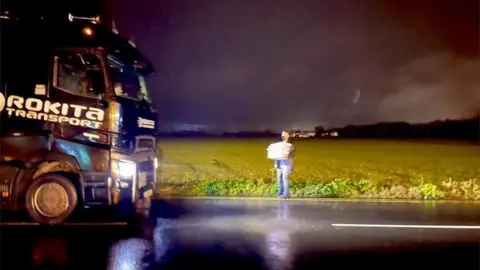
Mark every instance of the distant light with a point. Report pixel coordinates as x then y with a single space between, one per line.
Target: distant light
87 31
5 15
91 19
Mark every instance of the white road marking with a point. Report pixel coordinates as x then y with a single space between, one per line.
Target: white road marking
465 227
65 224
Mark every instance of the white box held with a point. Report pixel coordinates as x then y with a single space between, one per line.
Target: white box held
278 150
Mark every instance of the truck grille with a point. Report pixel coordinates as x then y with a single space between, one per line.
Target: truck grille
122 142
146 143
146 173
146 166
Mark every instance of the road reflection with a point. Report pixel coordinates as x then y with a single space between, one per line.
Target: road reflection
161 240
279 242
129 254
232 235
50 251
221 239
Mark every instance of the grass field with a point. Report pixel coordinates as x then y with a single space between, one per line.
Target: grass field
323 168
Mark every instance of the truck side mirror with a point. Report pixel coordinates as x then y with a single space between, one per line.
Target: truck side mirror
102 102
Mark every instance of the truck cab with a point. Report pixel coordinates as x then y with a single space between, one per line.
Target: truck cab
77 123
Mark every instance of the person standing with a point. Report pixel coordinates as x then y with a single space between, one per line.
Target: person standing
284 167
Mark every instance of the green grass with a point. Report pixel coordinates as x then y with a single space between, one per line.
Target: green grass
324 168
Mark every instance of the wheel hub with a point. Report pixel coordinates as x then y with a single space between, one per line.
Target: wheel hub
51 200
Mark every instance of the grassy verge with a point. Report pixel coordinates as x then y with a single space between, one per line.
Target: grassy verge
325 168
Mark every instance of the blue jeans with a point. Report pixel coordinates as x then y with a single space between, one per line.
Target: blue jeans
283 171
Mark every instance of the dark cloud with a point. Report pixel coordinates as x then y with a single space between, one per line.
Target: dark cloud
437 86
300 63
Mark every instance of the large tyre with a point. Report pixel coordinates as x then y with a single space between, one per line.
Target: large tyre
51 199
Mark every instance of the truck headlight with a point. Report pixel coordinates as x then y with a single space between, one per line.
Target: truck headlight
123 169
155 163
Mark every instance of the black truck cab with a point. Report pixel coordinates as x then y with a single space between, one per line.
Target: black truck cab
77 124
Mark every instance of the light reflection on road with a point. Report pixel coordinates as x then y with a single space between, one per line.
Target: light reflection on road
276 232
281 231
128 254
279 242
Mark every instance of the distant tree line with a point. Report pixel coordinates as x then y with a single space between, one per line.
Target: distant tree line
464 129
204 134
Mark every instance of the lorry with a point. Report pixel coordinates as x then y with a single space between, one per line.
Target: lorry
77 123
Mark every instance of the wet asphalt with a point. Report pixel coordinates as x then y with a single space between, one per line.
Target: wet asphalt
258 234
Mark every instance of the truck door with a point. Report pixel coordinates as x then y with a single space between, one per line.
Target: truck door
81 121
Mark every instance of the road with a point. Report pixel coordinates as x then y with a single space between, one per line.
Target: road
258 234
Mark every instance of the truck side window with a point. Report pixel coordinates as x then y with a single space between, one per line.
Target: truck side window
127 80
80 73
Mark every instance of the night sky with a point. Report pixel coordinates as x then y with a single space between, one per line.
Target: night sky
245 64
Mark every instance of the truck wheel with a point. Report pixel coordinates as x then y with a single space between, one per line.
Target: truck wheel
51 199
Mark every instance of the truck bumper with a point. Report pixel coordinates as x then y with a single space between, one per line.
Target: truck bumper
112 189
133 176
141 178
